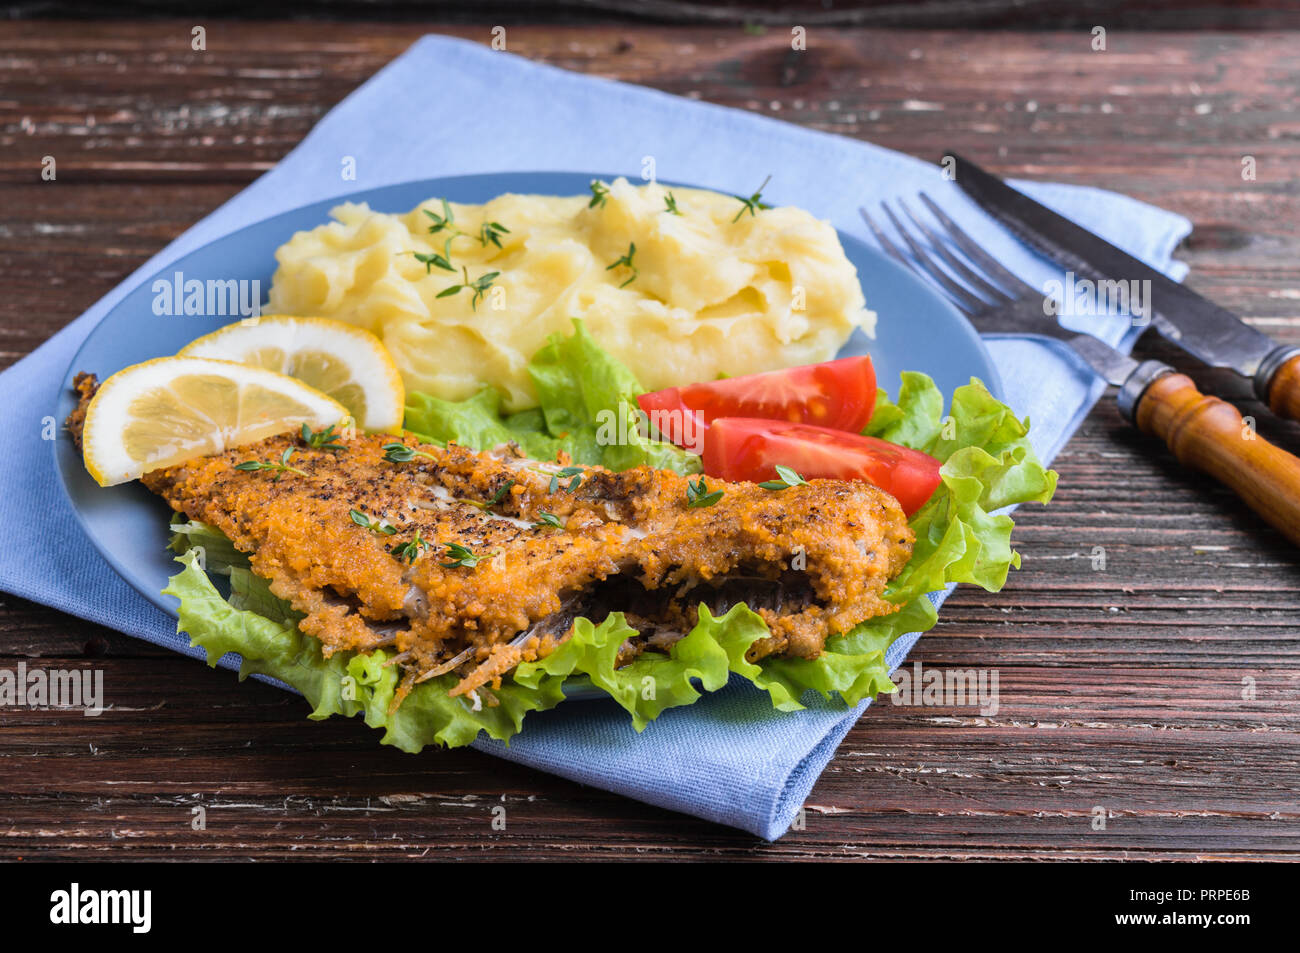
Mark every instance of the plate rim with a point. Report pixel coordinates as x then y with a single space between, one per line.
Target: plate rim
992 380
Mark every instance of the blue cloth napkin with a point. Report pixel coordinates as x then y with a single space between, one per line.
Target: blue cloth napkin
729 758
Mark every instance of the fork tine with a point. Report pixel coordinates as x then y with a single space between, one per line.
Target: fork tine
967 274
955 290
892 249
883 239
977 254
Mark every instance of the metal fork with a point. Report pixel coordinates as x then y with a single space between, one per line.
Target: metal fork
1203 432
997 301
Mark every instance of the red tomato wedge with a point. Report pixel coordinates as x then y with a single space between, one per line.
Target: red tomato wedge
745 448
837 394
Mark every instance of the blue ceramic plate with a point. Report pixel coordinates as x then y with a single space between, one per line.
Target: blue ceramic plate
917 330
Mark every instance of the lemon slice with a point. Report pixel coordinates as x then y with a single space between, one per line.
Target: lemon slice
172 409
348 363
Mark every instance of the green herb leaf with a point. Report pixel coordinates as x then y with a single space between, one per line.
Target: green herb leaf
573 474
382 528
325 439
753 203
549 519
698 494
432 260
279 468
442 221
410 552
500 494
479 286
462 557
626 262
491 232
401 453
788 479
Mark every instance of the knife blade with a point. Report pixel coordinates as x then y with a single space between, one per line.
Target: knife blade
1200 327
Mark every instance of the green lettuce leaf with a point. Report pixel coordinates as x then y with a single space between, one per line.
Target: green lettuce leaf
251 593
217 553
652 683
587 409
268 647
345 683
477 422
988 465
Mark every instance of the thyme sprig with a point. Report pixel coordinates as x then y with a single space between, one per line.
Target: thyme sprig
698 493
410 552
670 204
500 494
486 505
479 286
753 203
400 453
325 439
280 468
599 193
549 519
433 260
378 527
788 479
491 232
576 473
462 557
442 222
626 262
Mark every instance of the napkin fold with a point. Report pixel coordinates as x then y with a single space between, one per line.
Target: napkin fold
730 757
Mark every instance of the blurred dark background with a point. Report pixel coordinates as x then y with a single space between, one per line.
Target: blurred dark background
753 14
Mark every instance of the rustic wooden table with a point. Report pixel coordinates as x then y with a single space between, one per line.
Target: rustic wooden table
1124 688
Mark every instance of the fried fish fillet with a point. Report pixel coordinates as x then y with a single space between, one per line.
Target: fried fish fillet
491 556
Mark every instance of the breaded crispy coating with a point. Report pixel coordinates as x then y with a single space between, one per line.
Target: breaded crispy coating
475 575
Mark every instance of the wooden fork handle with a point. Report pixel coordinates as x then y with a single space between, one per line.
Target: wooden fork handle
1278 382
1211 436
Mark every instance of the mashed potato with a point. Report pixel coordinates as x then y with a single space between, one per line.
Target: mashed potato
706 296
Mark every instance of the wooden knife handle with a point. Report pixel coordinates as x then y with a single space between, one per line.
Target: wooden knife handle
1210 435
1283 389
